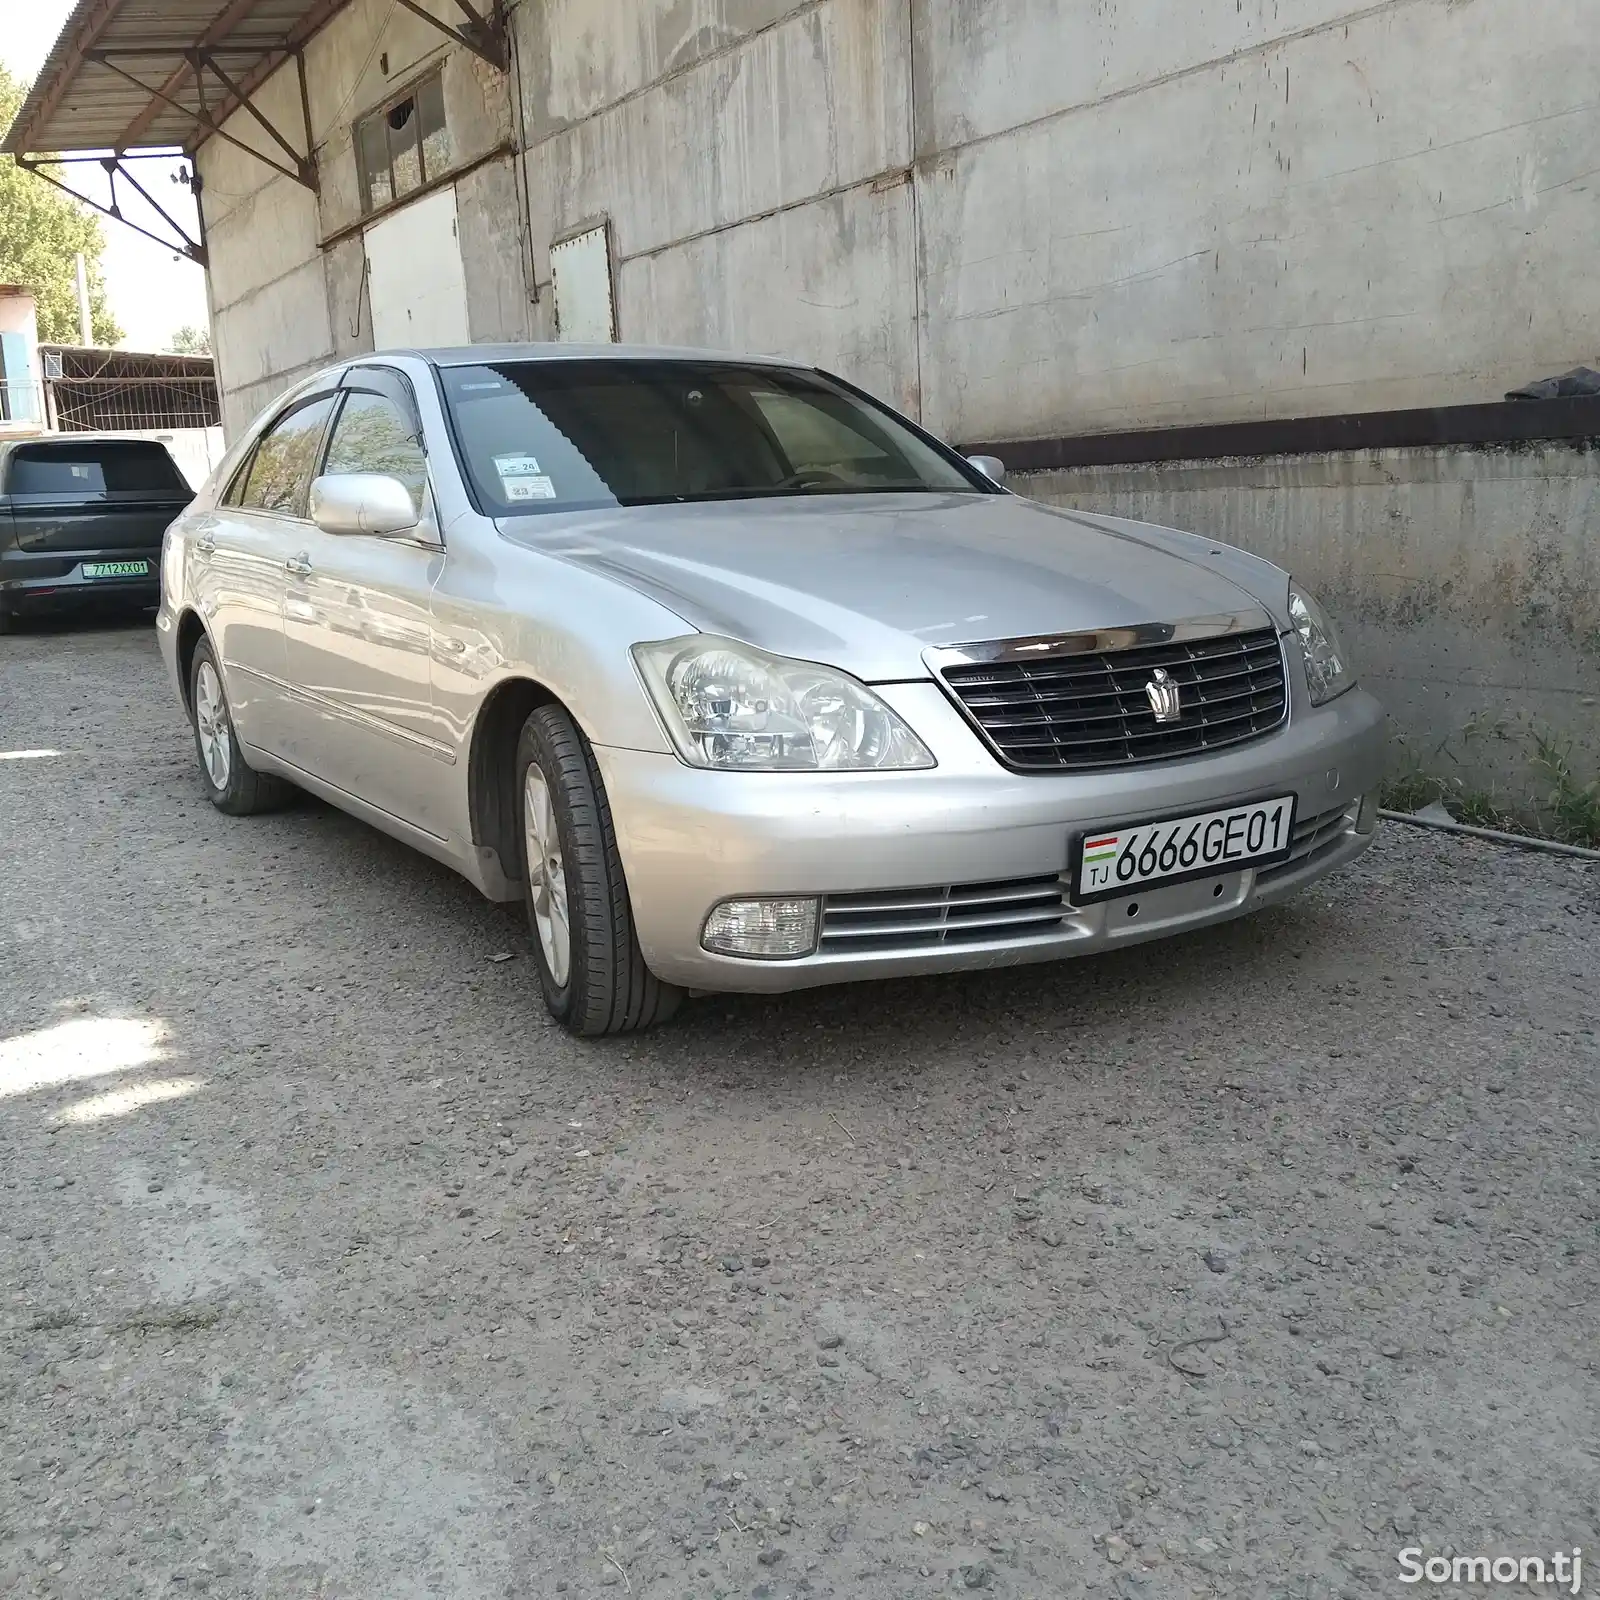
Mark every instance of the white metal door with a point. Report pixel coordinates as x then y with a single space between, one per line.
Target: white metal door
581 268
415 280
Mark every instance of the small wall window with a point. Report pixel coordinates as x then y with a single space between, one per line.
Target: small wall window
403 145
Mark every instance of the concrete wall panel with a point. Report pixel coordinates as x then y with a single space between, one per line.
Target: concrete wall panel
817 102
580 56
1467 583
279 328
824 283
1379 215
987 66
492 252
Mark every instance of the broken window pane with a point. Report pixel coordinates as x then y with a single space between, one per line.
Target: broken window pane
436 151
405 156
372 153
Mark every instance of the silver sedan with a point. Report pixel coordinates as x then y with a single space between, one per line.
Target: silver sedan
743 682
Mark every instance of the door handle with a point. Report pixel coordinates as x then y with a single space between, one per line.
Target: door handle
299 565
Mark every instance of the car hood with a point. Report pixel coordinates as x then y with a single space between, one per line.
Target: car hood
868 582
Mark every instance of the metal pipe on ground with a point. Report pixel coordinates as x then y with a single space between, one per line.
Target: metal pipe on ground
1519 841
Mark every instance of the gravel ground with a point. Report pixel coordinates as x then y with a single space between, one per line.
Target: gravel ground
1223 1267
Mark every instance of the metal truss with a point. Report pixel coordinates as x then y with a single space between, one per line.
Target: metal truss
198 61
483 33
116 166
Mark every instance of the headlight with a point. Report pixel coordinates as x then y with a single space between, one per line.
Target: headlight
730 706
1327 666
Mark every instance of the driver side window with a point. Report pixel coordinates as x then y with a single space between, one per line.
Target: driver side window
372 435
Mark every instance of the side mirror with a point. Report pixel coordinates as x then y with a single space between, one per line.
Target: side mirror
362 502
992 467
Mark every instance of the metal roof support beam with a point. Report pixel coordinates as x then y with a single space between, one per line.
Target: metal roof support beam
302 172
184 244
237 12
484 34
305 165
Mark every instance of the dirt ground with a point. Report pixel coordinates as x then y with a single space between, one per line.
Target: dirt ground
1223 1267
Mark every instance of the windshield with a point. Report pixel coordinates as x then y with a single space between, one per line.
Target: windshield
565 434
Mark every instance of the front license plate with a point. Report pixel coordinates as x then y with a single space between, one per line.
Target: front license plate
116 569
1116 861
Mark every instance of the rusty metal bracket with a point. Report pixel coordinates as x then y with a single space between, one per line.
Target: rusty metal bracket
304 168
481 32
114 167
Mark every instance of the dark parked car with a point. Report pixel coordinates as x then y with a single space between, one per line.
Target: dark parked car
81 520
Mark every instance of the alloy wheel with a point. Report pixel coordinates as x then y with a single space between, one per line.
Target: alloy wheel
211 723
547 877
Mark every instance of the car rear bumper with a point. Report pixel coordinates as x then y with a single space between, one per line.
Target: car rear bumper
52 580
690 839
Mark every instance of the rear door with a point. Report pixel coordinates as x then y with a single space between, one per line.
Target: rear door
94 497
240 555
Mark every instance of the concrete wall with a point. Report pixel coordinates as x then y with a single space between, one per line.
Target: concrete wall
1017 218
1467 583
1033 217
751 157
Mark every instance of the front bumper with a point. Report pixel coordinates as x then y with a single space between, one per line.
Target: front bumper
690 838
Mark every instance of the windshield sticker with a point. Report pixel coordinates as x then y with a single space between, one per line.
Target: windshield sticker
533 487
516 466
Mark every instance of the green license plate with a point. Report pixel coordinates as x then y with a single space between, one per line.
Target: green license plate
116 569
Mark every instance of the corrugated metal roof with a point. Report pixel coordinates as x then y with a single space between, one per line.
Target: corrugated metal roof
83 100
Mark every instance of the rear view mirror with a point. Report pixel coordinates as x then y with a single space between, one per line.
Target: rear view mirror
992 467
362 502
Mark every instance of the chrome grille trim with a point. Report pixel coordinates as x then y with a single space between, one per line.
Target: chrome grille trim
926 918
1065 708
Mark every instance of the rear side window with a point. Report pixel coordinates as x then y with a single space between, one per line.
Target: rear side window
95 469
285 459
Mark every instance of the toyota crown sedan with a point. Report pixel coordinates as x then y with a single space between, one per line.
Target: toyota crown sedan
741 681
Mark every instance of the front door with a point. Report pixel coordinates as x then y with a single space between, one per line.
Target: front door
240 553
359 633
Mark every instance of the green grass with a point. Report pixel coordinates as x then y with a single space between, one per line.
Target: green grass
1558 804
1572 805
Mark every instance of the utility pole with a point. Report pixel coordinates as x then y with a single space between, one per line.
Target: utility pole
85 322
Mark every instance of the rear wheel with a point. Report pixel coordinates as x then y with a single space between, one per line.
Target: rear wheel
590 967
232 785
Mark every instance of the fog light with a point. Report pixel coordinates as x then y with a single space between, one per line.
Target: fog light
767 930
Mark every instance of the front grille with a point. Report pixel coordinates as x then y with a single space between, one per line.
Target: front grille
1311 837
922 919
1091 710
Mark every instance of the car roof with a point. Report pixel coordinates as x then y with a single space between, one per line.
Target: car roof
467 355
79 437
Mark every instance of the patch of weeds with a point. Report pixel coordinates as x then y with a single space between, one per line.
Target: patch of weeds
53 1321
1479 808
1572 805
1411 791
172 1319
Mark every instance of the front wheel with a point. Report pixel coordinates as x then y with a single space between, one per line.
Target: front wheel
590 967
232 785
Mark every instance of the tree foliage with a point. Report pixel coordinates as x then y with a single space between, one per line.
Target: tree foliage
41 230
191 341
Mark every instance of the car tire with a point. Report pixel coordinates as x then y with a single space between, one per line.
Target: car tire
590 967
232 784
